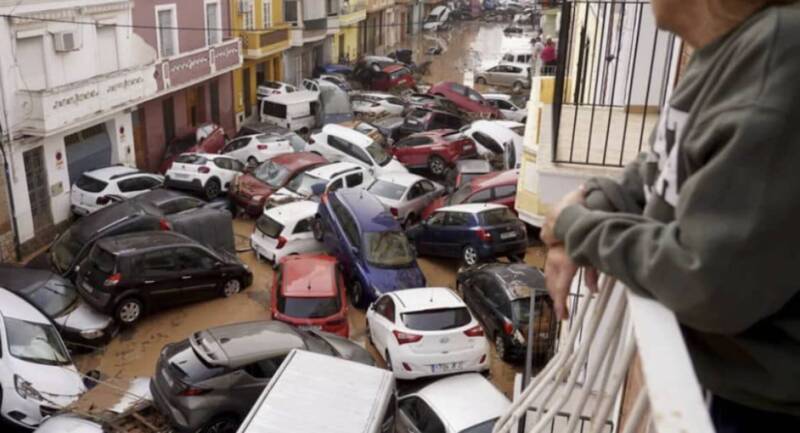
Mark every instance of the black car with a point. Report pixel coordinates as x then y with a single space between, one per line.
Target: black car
128 275
419 120
157 209
79 324
499 295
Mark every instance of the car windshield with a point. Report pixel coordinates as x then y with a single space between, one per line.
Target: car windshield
388 249
90 184
461 194
385 189
521 311
271 173
54 297
484 427
309 308
379 154
190 158
303 183
437 320
498 216
269 227
35 342
66 248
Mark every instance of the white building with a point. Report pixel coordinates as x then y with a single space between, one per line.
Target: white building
70 71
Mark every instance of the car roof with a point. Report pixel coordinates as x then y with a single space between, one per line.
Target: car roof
293 211
473 208
159 196
402 179
296 160
464 400
370 212
309 276
144 240
20 279
328 171
242 344
15 307
473 166
207 155
293 98
518 278
434 133
350 134
91 225
495 178
426 298
109 173
502 96
393 68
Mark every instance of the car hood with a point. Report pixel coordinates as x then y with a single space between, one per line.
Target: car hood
386 280
251 186
61 384
394 166
69 423
83 318
347 349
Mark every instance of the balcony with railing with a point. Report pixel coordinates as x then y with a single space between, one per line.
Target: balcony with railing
378 5
257 44
351 12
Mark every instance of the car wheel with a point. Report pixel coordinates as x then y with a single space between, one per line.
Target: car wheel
480 80
317 230
517 87
212 189
500 347
231 287
129 311
356 293
223 424
252 162
437 165
470 255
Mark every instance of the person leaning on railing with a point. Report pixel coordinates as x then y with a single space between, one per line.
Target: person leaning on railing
707 221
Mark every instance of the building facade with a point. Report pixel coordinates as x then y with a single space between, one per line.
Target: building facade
311 45
380 13
347 43
71 74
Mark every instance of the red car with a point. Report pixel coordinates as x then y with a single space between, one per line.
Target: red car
208 138
393 76
250 191
308 291
437 150
466 98
497 187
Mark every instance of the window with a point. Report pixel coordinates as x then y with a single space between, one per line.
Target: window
437 320
336 185
303 226
159 262
167 34
248 15
348 224
269 227
338 144
503 105
354 179
192 259
386 189
427 186
360 155
505 191
421 415
180 205
416 190
385 307
457 219
213 23
481 196
498 216
137 184
272 109
90 184
237 144
266 13
290 11
443 121
264 369
437 219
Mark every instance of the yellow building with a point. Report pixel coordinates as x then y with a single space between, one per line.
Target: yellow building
346 43
265 36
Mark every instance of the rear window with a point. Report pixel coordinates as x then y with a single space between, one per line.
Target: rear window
274 110
102 260
388 190
90 184
271 85
269 226
396 75
310 308
190 158
498 216
437 320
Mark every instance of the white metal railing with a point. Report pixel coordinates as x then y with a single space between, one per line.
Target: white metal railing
584 381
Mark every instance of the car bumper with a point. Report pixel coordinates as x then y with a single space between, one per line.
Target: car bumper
264 250
175 417
191 185
99 300
422 365
24 412
77 342
251 207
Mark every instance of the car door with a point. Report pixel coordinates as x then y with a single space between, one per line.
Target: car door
249 382
493 75
416 416
499 307
338 150
354 180
237 148
455 233
303 238
480 287
480 196
162 282
429 238
415 199
229 168
201 279
137 185
382 323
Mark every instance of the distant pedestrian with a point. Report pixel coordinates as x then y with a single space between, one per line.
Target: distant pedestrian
536 54
549 56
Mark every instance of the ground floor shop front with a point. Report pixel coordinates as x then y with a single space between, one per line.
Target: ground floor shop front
300 62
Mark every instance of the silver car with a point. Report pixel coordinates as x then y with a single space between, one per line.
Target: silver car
209 382
513 76
406 195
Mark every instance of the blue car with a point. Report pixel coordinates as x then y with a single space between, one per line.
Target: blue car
372 249
472 232
337 69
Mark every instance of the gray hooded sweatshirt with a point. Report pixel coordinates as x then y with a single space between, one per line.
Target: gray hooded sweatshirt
708 221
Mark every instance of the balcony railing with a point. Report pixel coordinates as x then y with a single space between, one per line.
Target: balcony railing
260 43
614 71
352 6
583 388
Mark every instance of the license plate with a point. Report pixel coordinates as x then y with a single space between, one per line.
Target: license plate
446 367
508 235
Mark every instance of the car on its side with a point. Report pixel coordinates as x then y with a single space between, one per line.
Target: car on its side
466 98
499 141
339 143
207 138
499 294
334 176
377 104
430 102
369 243
419 120
505 75
499 187
129 275
250 191
405 195
472 232
506 106
209 174
464 403
309 292
36 372
56 297
255 127
285 230
255 149
97 189
209 382
269 88
426 332
436 150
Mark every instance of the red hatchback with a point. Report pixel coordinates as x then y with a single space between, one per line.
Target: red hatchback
309 292
250 191
393 76
466 98
497 187
437 150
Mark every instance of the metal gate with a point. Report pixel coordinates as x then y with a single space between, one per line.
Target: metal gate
87 150
38 191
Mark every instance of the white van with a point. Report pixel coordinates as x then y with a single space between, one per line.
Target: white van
437 19
298 111
313 393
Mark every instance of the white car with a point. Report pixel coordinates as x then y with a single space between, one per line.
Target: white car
208 173
255 149
36 371
339 175
406 195
285 230
456 404
498 138
377 104
506 106
97 189
339 143
270 88
426 332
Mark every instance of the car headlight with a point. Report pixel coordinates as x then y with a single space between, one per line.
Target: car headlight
26 390
92 334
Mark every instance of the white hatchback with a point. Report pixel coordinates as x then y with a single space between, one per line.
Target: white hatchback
339 175
426 332
285 230
340 143
377 104
255 149
506 105
36 371
406 195
208 173
97 189
270 88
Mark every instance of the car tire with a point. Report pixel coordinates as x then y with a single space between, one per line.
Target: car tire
470 255
480 80
231 287
317 230
356 293
437 165
252 162
129 311
212 189
501 347
517 87
221 424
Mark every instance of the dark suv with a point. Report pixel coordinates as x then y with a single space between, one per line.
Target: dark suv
128 275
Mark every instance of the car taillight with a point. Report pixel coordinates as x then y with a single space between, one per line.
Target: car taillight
203 170
508 327
475 331
193 392
281 242
103 199
164 225
484 235
262 147
112 280
405 338
393 211
406 366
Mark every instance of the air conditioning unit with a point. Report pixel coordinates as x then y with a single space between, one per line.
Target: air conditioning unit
65 41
